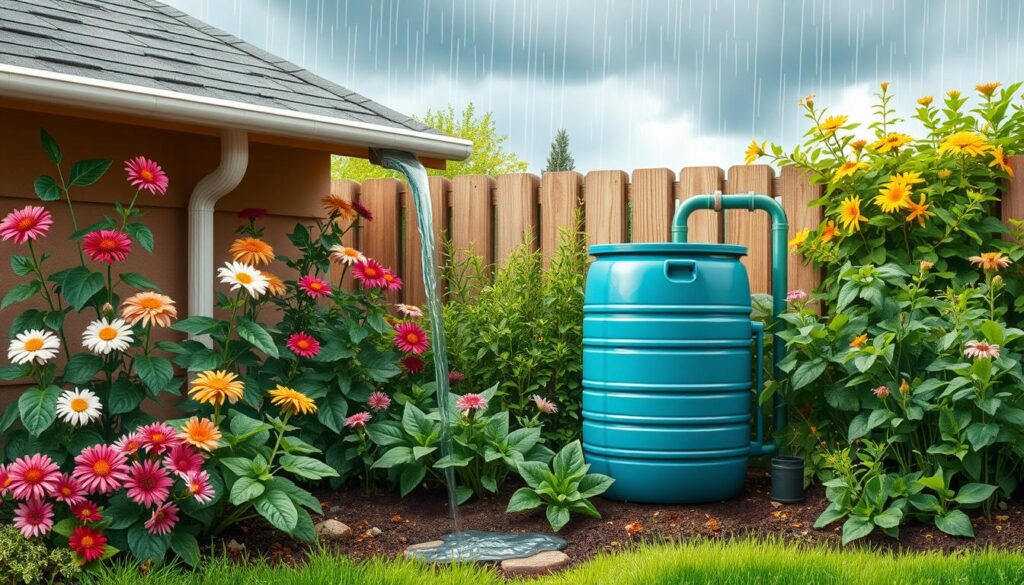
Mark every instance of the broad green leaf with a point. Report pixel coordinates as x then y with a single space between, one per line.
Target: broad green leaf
46 188
65 527
147 546
332 410
411 477
890 518
278 509
386 434
955 523
82 368
121 512
569 461
154 371
306 466
38 408
141 233
594 484
856 527
245 489
186 547
808 372
240 466
197 325
86 172
533 473
394 456
831 513
974 493
138 281
50 147
558 516
79 285
22 265
981 435
523 499
255 334
21 292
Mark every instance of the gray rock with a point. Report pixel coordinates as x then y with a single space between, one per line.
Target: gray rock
332 529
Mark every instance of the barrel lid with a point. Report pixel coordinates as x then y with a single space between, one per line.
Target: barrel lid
669 248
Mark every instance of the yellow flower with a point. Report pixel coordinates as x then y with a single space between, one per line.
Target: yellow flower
926 265
925 101
848 169
753 152
893 197
292 401
987 89
904 386
991 261
799 239
201 433
859 340
216 386
335 205
918 211
891 142
884 85
831 125
251 251
275 286
967 143
849 213
945 173
953 93
858 145
829 232
908 180
999 159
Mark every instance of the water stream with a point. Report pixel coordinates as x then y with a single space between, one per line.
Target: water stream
457 546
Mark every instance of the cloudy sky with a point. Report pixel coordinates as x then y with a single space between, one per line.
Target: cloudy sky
637 83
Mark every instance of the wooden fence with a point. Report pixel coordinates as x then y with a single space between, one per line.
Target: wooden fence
490 215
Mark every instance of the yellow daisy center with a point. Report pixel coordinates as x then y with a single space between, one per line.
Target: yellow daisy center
86 541
147 175
101 467
107 333
243 278
33 475
150 303
412 338
79 404
34 344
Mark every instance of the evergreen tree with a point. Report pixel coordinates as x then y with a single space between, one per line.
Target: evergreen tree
559 159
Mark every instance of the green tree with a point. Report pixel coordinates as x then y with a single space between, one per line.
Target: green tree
489 156
559 159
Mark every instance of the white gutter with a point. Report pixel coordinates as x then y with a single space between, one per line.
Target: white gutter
122 98
234 159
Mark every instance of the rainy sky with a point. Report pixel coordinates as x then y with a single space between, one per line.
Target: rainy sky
637 83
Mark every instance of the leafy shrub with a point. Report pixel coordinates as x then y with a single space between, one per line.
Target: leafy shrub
27 561
523 330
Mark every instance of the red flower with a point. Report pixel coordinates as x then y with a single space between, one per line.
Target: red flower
164 518
412 364
183 460
28 223
393 280
378 401
101 468
314 287
158 438
86 512
107 246
358 419
88 542
146 174
33 476
361 210
69 490
369 273
470 402
252 213
303 345
34 517
410 338
148 484
455 376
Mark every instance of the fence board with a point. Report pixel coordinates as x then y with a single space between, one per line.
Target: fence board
653 205
604 206
472 221
515 202
1013 203
700 181
797 192
752 229
412 263
349 190
559 198
380 237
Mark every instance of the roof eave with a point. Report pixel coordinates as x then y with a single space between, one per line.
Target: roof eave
95 94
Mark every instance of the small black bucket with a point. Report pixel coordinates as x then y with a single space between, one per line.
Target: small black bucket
787 479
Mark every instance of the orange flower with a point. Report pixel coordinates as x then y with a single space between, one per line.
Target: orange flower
925 101
893 197
999 159
850 215
848 169
829 232
987 89
216 386
953 93
859 340
992 261
335 205
275 286
945 173
251 251
891 142
918 211
798 239
149 306
858 145
201 433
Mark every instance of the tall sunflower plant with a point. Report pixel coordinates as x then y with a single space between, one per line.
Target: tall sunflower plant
903 370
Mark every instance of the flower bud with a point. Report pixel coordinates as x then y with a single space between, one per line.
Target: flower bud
926 265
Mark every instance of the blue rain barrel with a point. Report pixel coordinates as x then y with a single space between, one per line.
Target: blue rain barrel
667 346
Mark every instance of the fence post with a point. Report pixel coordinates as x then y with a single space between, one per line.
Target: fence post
700 181
604 206
797 191
515 202
1013 203
473 217
559 198
752 229
653 205
381 235
412 267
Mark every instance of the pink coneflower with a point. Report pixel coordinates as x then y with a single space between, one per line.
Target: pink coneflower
369 273
86 512
796 296
33 518
146 174
88 542
198 484
455 376
33 476
314 287
148 483
544 405
107 246
252 213
303 344
164 517
981 349
393 280
358 420
470 402
69 490
411 311
881 391
361 210
183 460
410 338
129 444
158 438
28 223
412 364
101 469
378 401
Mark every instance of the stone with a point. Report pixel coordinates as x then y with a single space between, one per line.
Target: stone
234 546
374 532
335 509
332 529
410 551
479 545
541 563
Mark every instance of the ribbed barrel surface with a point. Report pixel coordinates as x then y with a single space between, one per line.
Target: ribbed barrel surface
667 371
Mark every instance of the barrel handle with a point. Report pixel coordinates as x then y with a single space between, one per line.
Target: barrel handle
684 270
758 447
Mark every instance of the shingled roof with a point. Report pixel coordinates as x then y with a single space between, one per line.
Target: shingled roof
149 44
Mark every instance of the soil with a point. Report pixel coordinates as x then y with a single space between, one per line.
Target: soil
423 516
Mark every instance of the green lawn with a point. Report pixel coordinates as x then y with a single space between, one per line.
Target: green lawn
717 563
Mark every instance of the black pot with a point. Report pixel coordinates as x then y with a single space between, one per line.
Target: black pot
787 479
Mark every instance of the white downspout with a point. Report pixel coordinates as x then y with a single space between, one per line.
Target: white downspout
234 159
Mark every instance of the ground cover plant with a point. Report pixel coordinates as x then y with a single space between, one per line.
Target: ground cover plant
904 366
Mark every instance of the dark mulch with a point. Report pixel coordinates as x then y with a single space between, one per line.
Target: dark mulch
424 516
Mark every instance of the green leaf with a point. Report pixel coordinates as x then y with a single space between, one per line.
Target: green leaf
534 473
86 172
10 415
856 527
558 517
891 518
974 493
138 281
50 147
594 484
278 509
569 461
955 523
82 368
332 410
808 372
79 285
15 371
22 265
981 435
255 334
240 466
197 325
380 366
46 188
297 494
141 233
386 434
121 512
147 546
65 527
38 408
858 427
523 499
394 456
412 476
831 513
154 371
416 423
306 466
245 489
21 292
186 547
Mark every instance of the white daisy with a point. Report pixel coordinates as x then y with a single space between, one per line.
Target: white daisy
78 407
346 255
245 276
34 344
409 310
102 336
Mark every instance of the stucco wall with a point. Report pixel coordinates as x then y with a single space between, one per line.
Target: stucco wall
287 181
